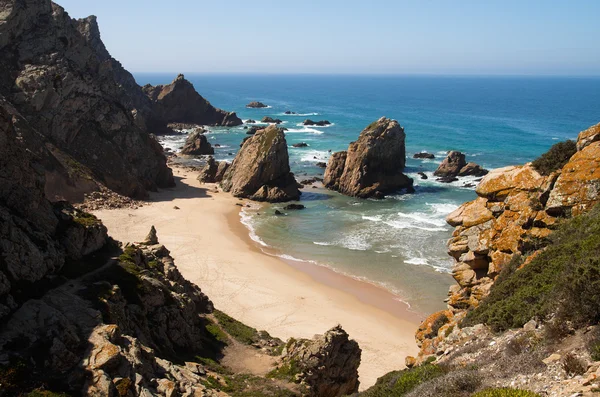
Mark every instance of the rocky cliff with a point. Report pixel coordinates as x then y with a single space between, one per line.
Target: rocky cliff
82 315
59 76
179 102
261 169
372 166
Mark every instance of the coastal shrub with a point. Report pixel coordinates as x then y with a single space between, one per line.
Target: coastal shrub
286 371
455 383
217 332
86 219
594 347
239 331
563 280
555 158
505 392
573 365
400 383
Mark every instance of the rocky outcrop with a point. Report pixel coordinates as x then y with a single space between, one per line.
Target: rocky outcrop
515 211
60 77
300 144
455 165
373 165
196 144
256 105
213 171
261 169
423 155
179 102
268 119
327 365
321 123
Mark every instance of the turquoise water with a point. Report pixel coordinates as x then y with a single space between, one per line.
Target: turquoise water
399 242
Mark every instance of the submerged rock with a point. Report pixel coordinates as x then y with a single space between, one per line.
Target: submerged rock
261 170
197 144
301 144
294 207
373 165
422 175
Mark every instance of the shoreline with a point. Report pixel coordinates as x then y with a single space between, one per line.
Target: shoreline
213 249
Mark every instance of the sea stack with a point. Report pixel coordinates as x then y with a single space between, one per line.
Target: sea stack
372 166
180 102
261 169
455 165
196 144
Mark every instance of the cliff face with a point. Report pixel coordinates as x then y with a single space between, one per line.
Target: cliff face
516 210
58 74
372 166
179 102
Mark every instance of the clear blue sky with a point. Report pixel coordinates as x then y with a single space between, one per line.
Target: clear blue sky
349 36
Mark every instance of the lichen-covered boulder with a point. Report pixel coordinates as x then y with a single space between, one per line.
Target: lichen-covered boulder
372 166
261 169
588 136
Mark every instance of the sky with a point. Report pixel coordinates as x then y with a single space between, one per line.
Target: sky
446 37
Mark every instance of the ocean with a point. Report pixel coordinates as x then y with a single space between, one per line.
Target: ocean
398 243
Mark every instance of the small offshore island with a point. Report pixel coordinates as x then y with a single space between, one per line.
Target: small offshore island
125 269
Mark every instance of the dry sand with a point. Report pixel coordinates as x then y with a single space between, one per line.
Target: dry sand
288 299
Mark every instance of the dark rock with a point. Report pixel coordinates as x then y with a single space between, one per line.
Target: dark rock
217 145
277 212
321 123
423 155
180 102
301 144
447 179
250 121
196 144
294 207
256 105
289 112
373 164
252 130
422 175
261 170
268 119
451 165
472 169
321 164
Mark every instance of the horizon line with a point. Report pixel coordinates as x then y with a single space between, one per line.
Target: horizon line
371 74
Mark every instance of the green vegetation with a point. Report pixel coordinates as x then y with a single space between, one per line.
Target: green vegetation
217 332
287 371
563 280
505 392
595 351
244 385
45 393
212 365
239 331
555 158
399 383
86 219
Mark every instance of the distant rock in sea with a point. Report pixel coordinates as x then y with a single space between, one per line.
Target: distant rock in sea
268 119
256 105
289 112
321 123
300 144
373 165
455 165
261 169
423 155
180 102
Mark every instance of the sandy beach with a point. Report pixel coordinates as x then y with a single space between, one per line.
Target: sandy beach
288 299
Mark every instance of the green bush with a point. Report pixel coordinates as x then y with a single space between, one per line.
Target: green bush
563 280
287 371
505 392
399 383
239 331
555 158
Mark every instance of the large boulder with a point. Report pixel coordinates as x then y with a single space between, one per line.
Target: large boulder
196 144
455 165
327 365
180 102
588 136
372 166
261 169
213 171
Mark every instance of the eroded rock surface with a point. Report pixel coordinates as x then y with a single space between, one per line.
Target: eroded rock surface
372 166
261 169
196 144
